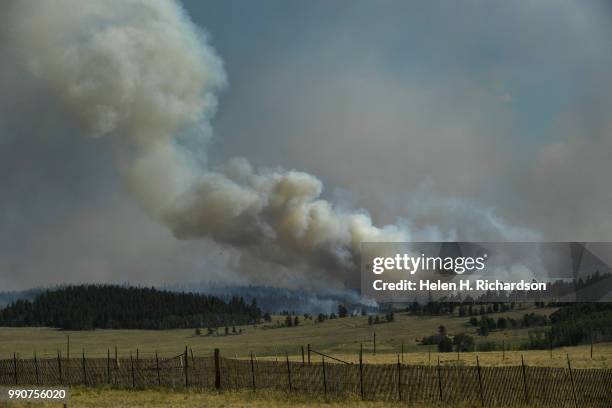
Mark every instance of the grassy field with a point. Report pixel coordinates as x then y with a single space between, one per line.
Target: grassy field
104 398
339 337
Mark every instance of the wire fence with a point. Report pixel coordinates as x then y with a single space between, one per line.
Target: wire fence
488 386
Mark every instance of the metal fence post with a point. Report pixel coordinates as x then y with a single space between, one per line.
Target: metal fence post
157 369
361 369
217 370
439 379
15 367
84 371
36 369
289 372
252 372
133 376
569 366
59 367
525 380
186 368
108 379
399 378
324 379
480 381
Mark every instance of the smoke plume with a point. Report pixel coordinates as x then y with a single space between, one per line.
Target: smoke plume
143 75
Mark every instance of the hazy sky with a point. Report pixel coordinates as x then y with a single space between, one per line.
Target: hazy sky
475 120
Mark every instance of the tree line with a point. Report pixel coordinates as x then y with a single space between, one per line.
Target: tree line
85 307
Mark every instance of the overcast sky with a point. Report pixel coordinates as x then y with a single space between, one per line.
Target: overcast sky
474 120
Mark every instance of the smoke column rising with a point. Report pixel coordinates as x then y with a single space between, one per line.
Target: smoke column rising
141 73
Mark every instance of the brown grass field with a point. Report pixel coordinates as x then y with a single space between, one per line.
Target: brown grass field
105 398
340 338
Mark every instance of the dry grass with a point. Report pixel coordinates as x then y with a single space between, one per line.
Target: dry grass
104 398
333 336
340 338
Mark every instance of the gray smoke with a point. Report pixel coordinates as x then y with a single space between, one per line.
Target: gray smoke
141 74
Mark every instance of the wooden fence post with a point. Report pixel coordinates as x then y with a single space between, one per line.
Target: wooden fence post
15 367
569 366
36 369
399 378
186 368
84 372
217 370
525 380
303 362
429 359
308 353
439 378
133 376
289 372
59 367
480 381
252 372
324 379
157 369
108 378
361 370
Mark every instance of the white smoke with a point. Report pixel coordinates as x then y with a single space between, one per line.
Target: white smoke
141 73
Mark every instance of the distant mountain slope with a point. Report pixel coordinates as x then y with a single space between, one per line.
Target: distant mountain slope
278 300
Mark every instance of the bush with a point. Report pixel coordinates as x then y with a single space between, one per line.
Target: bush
464 342
445 345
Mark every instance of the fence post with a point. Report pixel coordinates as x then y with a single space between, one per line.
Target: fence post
84 372
361 370
133 376
324 379
439 378
157 369
108 380
186 368
59 366
399 378
289 372
253 372
308 353
525 380
429 358
217 370
480 381
569 366
15 367
591 339
303 362
36 368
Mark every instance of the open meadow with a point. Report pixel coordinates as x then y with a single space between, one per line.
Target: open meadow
340 338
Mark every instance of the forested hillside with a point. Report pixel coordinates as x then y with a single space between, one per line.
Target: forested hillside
86 307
